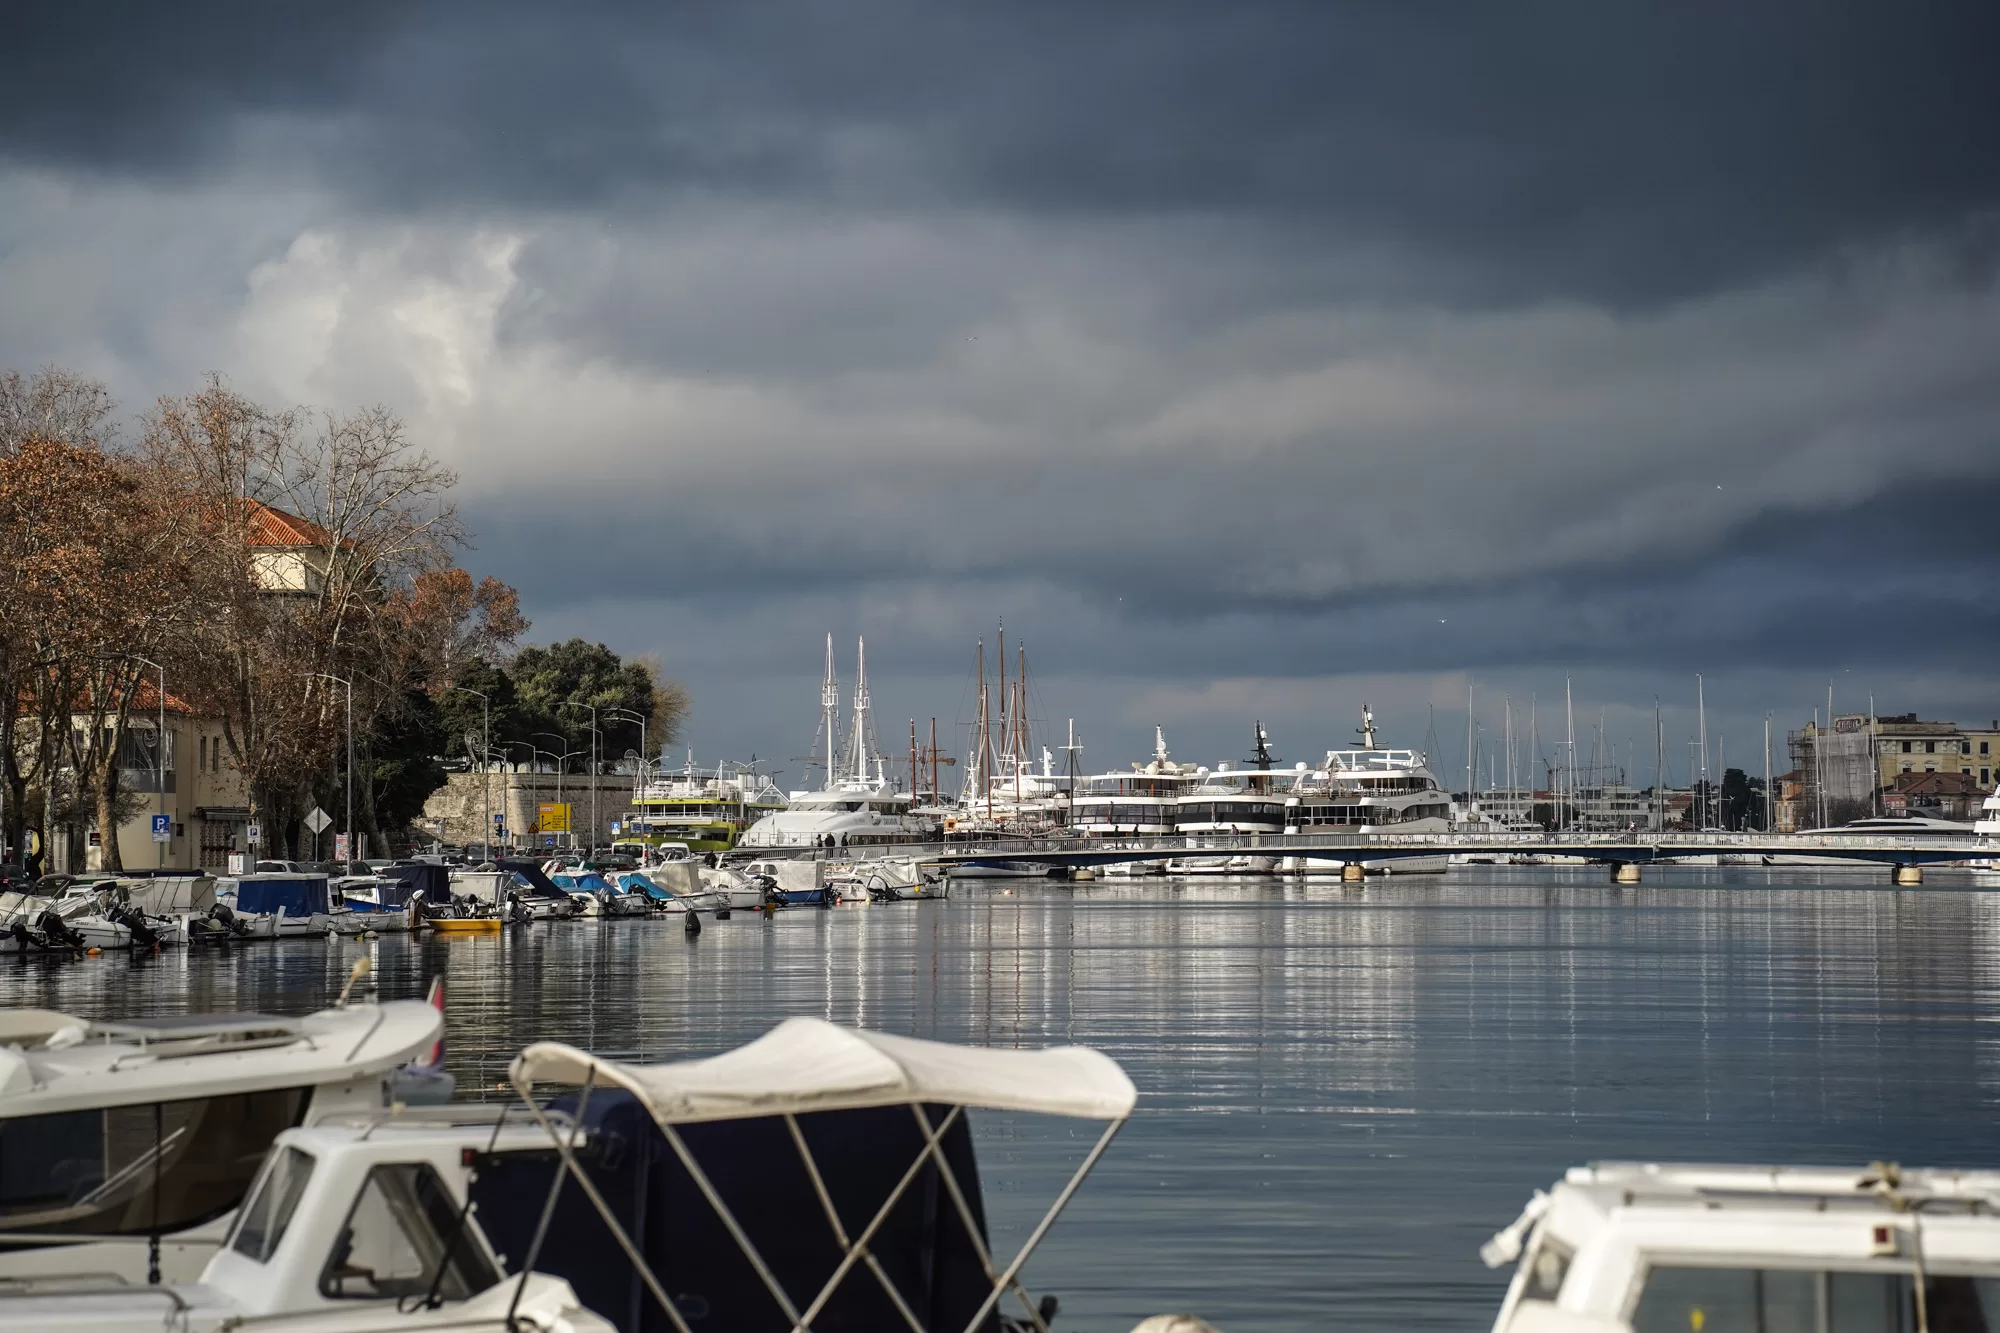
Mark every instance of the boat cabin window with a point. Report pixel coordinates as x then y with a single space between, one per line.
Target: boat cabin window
402 1229
1771 1300
128 1170
262 1223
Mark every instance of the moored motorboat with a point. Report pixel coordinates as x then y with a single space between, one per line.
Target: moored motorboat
138 1139
743 1185
1641 1245
355 1225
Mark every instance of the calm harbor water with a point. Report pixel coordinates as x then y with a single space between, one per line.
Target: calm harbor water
1344 1089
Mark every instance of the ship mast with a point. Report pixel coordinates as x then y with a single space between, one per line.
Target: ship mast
860 738
829 704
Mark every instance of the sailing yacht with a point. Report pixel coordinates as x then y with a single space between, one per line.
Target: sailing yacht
1371 790
1005 792
858 806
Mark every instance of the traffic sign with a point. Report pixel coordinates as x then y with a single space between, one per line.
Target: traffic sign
163 828
254 834
553 818
318 820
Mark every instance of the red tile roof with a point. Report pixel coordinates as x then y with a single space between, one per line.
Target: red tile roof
274 528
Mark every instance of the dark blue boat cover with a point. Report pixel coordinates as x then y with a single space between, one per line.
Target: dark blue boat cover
757 1170
299 895
430 882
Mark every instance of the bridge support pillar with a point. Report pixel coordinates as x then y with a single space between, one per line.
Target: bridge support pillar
1083 874
1625 872
1352 873
1907 875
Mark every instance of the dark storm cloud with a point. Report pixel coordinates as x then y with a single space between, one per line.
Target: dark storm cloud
1602 150
1227 351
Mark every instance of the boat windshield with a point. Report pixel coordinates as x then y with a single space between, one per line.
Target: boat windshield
1723 1300
402 1229
132 1170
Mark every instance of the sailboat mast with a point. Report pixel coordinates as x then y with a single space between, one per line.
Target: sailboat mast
1569 783
1767 773
1702 803
1005 697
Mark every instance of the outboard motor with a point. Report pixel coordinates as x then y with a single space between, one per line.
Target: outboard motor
691 923
56 932
130 917
225 917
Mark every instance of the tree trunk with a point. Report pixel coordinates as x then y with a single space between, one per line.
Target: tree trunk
106 786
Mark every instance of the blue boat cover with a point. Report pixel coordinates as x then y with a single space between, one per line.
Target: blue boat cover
756 1168
587 882
634 882
430 882
299 895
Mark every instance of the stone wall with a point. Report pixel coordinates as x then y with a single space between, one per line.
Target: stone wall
456 812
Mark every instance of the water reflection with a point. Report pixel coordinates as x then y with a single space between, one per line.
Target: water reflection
1345 1087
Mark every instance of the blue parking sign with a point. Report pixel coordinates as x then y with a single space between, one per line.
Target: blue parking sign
163 828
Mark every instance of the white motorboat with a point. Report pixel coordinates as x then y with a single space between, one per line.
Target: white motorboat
1626 1246
599 897
735 1214
279 904
504 884
858 806
1370 791
138 1130
358 1224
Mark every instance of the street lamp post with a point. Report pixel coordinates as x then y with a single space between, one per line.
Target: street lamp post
595 738
629 715
342 680
485 775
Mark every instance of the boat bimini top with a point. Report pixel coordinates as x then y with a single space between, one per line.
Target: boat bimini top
811 1082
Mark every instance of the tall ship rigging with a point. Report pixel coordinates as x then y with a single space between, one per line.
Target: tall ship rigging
858 806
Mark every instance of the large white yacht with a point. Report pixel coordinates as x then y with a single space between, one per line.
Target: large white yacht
1236 802
1141 803
1372 790
1988 823
858 806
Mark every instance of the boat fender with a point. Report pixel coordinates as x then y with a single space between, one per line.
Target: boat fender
691 923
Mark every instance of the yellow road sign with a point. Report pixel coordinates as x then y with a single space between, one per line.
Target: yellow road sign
552 818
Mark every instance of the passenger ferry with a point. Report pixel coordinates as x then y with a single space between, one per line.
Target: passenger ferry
858 806
1372 790
706 811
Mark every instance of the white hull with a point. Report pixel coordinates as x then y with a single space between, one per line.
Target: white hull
1223 865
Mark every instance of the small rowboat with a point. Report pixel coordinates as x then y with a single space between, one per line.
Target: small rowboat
467 925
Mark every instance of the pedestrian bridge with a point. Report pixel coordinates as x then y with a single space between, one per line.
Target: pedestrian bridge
1624 853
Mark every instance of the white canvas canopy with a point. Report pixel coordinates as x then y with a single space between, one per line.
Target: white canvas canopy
808 1064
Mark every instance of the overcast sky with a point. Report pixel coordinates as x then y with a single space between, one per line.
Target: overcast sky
1252 361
